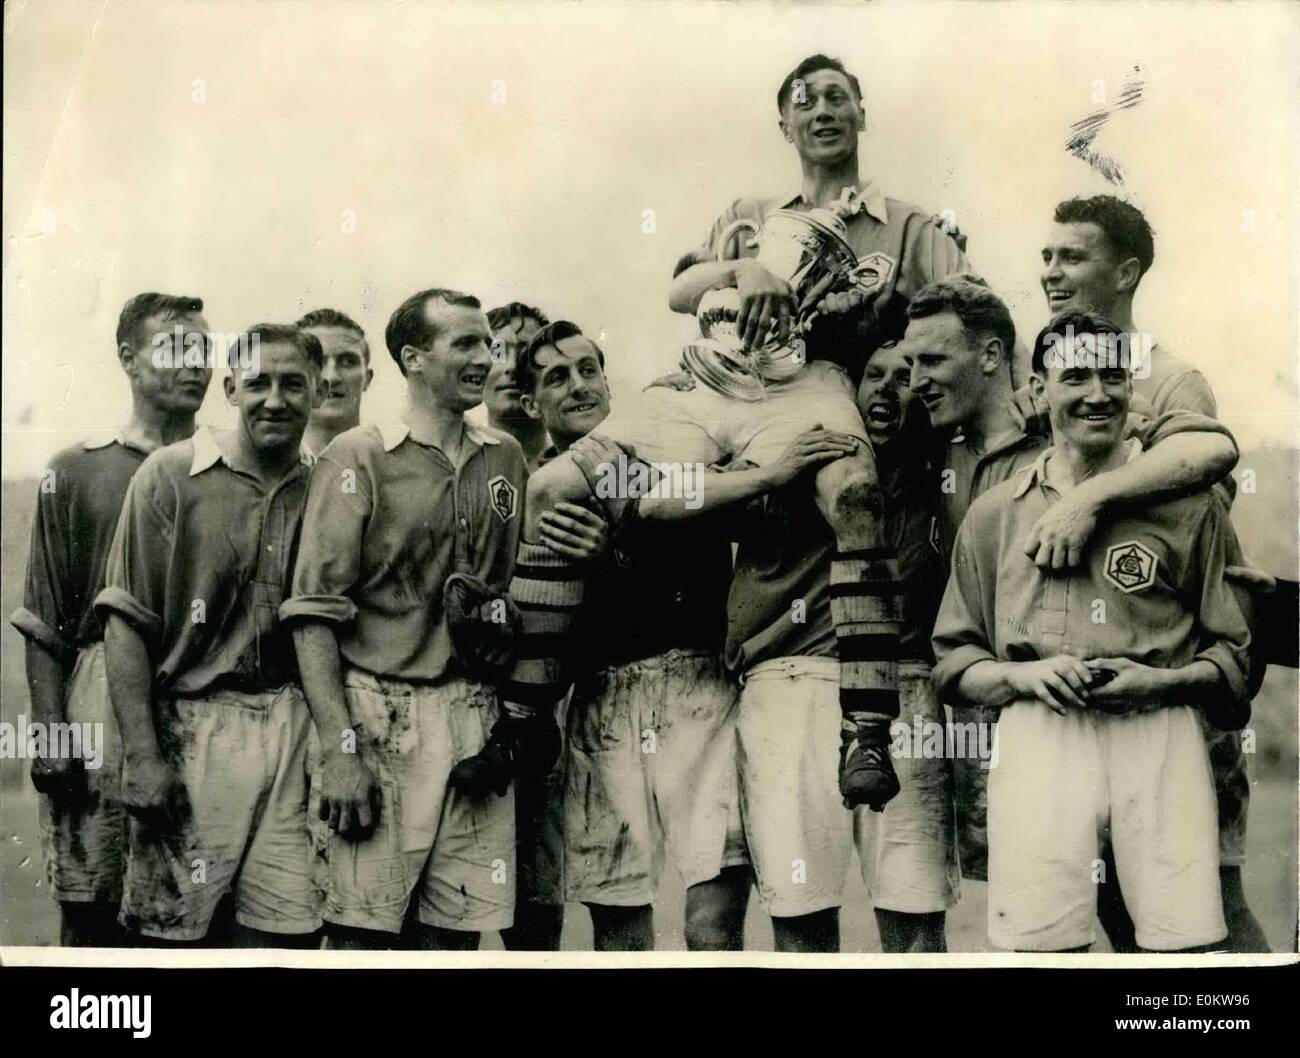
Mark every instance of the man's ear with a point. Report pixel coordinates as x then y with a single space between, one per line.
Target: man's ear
126 357
370 374
228 384
529 403
992 356
785 130
322 391
410 359
1037 387
1127 276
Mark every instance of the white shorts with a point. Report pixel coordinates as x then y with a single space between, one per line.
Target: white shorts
651 771
85 845
799 833
1060 782
701 425
908 852
454 852
242 758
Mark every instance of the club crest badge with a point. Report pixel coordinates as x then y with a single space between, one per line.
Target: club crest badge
1130 566
504 497
873 272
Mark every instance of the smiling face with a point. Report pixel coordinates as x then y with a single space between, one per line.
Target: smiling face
168 385
950 371
344 377
823 118
454 367
500 393
1087 404
884 395
1080 270
275 402
571 397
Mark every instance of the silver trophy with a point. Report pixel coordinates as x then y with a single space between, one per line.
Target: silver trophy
803 248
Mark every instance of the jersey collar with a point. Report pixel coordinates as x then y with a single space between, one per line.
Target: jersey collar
870 200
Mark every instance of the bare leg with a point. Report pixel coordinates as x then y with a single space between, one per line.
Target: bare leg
244 937
1244 932
715 911
537 928
91 925
434 938
902 932
623 928
350 938
818 932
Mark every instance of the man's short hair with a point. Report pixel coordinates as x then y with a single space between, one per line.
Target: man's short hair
504 315
526 369
1069 322
1123 224
143 306
335 318
968 297
811 65
269 333
410 325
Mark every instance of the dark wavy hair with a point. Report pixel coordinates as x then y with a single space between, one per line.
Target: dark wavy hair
526 369
1123 224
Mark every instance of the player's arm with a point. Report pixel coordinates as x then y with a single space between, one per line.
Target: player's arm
338 506
349 793
50 653
1183 453
131 607
710 492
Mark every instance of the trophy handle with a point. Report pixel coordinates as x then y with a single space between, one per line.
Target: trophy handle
730 230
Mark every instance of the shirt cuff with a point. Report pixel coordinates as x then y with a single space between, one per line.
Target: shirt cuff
1225 660
337 609
121 602
37 631
948 669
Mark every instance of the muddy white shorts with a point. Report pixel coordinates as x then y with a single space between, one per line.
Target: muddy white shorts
85 845
651 772
453 852
799 833
1060 783
242 758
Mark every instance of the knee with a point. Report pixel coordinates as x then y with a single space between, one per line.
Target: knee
855 502
713 922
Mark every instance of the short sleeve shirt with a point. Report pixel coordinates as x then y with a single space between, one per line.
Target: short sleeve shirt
199 566
77 507
388 520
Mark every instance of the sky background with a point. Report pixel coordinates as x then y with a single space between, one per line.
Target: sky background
118 180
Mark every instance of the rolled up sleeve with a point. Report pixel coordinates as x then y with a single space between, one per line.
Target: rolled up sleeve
961 631
135 584
339 503
43 618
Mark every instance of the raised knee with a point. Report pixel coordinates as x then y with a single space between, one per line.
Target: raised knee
856 502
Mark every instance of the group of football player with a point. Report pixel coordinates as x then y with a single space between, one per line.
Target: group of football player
390 685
